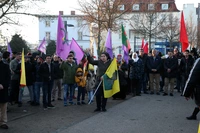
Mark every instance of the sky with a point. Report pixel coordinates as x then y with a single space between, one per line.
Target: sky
29 28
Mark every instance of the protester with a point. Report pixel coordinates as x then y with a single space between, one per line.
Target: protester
4 84
136 72
46 71
154 63
69 68
192 88
170 67
90 84
102 64
57 79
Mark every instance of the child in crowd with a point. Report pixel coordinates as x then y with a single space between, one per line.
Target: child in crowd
90 84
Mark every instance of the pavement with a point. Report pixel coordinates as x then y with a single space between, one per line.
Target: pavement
141 114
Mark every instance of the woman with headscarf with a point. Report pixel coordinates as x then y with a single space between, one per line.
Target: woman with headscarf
103 63
136 71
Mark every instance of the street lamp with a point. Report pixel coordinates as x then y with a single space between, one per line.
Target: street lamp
67 25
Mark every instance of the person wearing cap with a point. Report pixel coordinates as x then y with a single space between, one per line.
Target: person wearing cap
4 84
103 63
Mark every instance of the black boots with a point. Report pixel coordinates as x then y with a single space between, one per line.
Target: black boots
194 114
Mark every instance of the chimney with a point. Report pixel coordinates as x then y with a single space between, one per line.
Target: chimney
61 12
73 13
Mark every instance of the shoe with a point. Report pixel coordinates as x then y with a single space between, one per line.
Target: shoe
97 110
71 103
37 104
157 93
152 93
50 106
53 100
60 99
4 126
104 110
83 103
138 95
165 94
146 92
194 114
32 103
74 97
78 103
171 94
29 102
19 104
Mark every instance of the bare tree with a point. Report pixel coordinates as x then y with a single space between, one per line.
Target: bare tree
9 8
104 14
191 31
170 29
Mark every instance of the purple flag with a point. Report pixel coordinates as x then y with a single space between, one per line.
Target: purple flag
9 49
62 46
126 55
42 46
77 50
108 44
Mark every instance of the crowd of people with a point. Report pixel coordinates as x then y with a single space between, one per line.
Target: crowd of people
143 73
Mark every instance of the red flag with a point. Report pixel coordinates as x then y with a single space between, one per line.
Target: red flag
146 48
183 34
142 46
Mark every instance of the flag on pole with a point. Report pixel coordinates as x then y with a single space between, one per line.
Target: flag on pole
108 44
42 46
199 128
9 49
126 55
95 50
111 80
183 34
62 46
23 72
125 41
77 50
142 46
146 48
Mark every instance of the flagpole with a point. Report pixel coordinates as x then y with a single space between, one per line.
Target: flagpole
95 92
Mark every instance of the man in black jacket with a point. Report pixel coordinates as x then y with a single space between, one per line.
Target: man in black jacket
58 78
46 71
4 84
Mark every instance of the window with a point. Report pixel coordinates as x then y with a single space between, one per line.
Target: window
136 7
47 23
121 7
48 34
165 7
151 6
80 35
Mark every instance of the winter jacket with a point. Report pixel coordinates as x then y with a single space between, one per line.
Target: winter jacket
192 86
154 64
4 81
136 69
58 71
90 83
69 72
37 75
186 66
13 67
80 78
44 72
172 64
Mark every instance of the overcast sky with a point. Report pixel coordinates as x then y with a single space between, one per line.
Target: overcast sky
29 30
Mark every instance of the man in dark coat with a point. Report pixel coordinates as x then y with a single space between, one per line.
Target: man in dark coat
192 88
46 71
4 84
170 67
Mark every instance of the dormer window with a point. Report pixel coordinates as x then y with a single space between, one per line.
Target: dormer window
121 7
151 6
136 7
165 6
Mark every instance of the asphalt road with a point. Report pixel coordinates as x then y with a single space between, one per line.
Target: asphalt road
142 114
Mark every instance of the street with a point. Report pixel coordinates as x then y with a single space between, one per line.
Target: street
146 113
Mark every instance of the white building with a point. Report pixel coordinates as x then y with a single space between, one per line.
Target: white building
75 27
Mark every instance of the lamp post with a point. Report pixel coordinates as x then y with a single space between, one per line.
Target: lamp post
67 25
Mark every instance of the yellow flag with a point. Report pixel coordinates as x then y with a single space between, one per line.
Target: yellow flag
23 73
199 128
111 80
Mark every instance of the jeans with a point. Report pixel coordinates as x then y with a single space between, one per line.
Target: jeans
90 94
81 90
57 83
71 88
143 82
46 89
21 91
38 85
